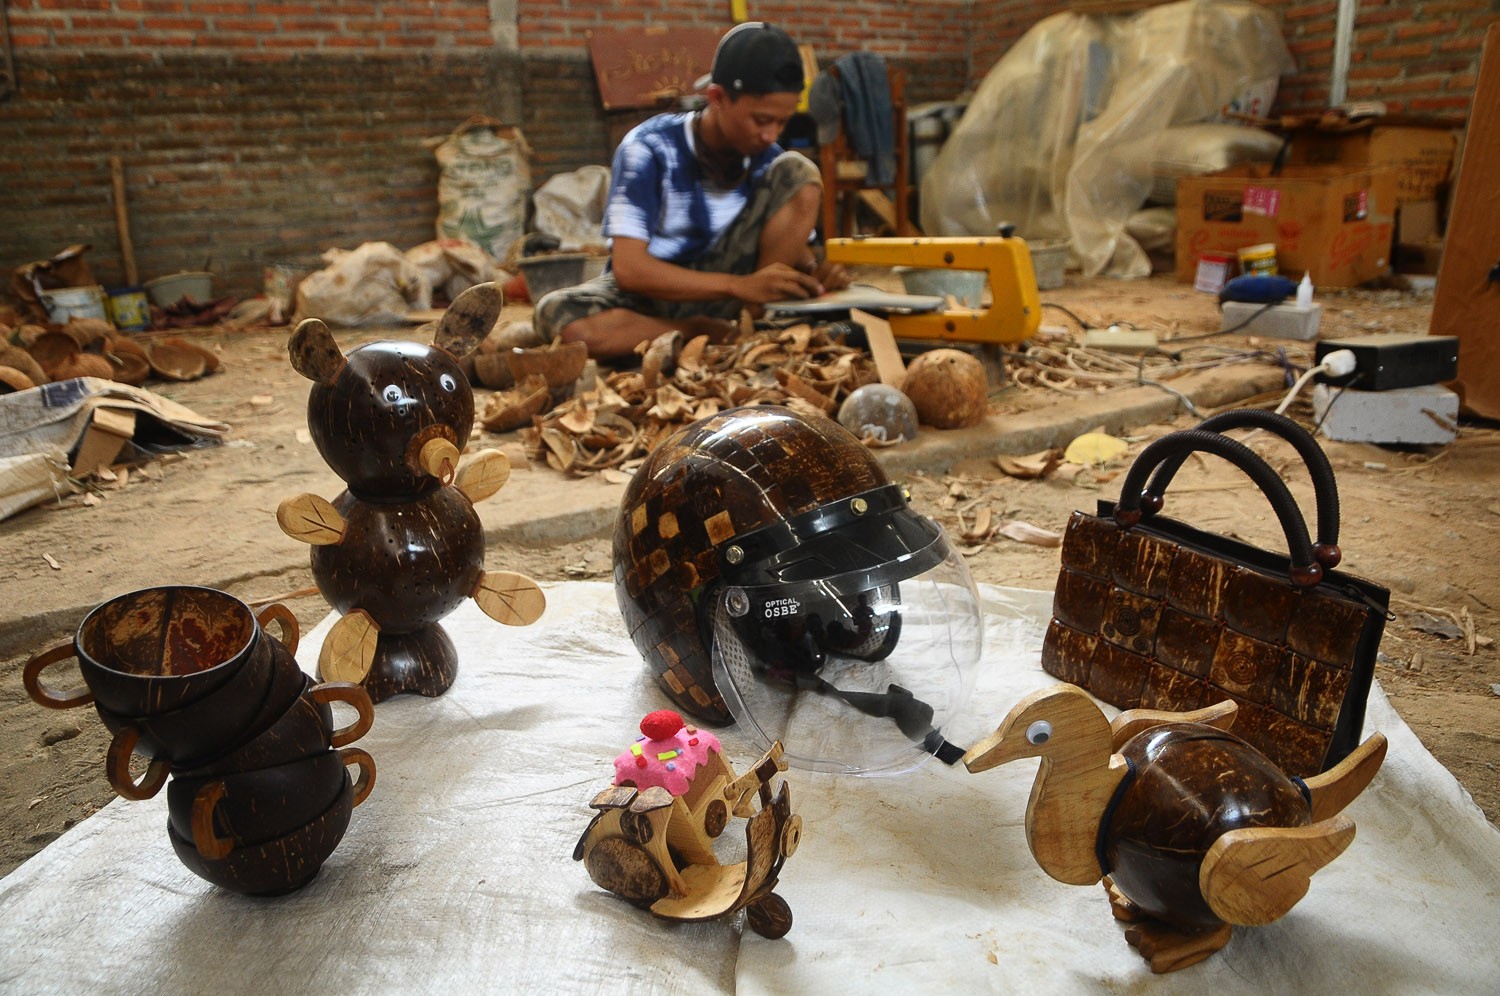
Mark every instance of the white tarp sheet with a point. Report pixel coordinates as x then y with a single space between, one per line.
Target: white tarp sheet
456 875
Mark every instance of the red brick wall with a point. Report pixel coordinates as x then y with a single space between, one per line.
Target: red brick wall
1418 56
255 132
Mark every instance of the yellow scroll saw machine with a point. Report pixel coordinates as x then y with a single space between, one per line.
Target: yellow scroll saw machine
1015 310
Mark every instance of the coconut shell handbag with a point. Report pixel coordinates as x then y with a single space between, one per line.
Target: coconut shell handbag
1151 612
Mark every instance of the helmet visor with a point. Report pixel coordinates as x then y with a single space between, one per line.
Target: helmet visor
856 672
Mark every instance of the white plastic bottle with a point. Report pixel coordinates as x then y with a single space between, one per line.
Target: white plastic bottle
1304 292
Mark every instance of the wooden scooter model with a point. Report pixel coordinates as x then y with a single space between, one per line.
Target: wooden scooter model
655 849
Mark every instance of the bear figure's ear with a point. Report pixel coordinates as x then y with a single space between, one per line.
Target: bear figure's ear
469 319
313 352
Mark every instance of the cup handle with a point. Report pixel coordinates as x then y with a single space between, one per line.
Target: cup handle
366 780
117 767
44 695
350 694
276 612
205 838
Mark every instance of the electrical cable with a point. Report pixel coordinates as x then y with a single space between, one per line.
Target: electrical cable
1233 329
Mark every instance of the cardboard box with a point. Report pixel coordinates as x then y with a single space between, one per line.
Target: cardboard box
1417 222
1422 156
1331 222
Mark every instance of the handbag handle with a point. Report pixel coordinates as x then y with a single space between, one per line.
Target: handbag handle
1325 487
1305 569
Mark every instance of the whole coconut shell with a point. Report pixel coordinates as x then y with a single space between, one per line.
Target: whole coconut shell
881 411
949 388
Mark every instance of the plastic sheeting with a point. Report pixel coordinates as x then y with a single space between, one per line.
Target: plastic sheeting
456 874
1058 138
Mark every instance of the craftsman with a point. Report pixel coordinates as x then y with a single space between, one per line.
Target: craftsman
706 213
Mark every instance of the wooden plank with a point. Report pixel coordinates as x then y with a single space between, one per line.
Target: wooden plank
1466 304
888 362
648 67
879 203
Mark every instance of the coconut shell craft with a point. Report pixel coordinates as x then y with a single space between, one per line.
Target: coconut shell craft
625 414
402 546
651 840
1192 830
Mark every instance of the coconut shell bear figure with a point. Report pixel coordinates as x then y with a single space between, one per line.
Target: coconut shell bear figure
402 546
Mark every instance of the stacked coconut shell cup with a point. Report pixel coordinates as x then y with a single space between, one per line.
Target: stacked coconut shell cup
260 792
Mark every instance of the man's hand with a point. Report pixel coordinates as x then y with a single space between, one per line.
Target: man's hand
776 282
832 276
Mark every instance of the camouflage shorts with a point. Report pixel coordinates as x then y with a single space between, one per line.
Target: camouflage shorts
735 251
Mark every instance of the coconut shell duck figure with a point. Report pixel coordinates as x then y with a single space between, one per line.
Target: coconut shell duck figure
651 838
1192 830
402 546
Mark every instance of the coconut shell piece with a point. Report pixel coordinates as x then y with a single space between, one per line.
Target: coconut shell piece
211 360
492 370
87 331
12 380
51 349
176 363
132 365
949 388
20 360
512 409
559 365
83 365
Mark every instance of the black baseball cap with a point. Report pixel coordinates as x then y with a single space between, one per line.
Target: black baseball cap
754 57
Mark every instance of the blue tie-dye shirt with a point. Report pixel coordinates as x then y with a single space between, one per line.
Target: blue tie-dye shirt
657 192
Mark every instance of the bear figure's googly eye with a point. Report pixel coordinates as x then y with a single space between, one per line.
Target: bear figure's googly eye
391 394
447 383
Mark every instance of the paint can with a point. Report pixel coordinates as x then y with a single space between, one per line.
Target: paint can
128 308
1259 260
65 303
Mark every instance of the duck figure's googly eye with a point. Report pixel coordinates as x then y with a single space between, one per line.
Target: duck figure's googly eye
447 383
1039 732
392 394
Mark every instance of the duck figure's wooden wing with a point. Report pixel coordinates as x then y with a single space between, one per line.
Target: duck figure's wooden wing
1256 875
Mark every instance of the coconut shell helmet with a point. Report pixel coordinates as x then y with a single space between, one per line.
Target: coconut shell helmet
762 557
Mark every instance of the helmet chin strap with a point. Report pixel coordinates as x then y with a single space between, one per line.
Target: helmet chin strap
911 715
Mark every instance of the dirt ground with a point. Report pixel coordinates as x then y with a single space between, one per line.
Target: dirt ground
1419 521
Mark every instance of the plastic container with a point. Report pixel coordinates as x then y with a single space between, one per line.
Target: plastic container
1049 260
545 274
965 286
1259 259
195 286
64 303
